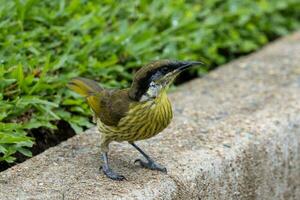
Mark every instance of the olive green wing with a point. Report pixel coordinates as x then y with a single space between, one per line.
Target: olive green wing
108 105
90 90
94 103
112 106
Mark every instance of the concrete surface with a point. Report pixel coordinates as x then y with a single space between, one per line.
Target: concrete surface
235 135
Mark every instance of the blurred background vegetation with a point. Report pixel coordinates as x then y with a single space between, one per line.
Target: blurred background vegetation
45 43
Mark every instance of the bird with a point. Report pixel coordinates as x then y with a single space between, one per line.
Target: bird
136 113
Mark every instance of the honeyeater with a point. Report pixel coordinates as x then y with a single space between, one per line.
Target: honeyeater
135 113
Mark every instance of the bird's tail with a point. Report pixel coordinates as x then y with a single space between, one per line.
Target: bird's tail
84 86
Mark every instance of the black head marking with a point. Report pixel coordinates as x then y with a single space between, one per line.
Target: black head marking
148 73
153 71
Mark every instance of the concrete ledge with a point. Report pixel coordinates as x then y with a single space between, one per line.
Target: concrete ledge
236 135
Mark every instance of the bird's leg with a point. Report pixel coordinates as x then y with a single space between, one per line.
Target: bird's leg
108 171
105 167
150 164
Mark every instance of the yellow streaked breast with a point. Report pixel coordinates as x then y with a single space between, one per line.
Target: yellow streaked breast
144 120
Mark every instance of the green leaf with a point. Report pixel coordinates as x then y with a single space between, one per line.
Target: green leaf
8 159
3 150
76 128
25 152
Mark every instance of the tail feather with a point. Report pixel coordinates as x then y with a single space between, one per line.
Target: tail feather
84 86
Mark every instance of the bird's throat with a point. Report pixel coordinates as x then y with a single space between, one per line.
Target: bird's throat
153 92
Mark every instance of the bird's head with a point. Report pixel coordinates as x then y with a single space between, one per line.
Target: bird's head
155 77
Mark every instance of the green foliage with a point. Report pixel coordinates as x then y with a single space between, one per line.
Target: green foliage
45 43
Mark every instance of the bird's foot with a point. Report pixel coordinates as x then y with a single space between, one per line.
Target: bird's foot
151 165
111 174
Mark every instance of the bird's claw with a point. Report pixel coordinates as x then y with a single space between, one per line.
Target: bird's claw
151 165
112 175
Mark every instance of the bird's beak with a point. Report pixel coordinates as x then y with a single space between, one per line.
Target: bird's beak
187 64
